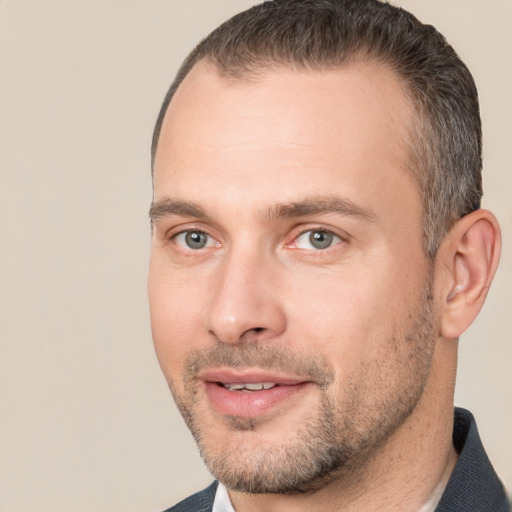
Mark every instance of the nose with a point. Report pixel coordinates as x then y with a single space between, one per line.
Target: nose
244 302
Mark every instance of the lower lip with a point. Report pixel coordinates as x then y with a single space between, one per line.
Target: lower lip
253 403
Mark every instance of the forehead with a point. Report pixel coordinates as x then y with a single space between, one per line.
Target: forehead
285 126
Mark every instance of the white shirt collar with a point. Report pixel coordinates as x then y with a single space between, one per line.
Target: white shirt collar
222 502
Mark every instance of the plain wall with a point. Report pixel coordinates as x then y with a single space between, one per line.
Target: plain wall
86 420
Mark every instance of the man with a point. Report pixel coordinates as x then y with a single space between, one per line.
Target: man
318 248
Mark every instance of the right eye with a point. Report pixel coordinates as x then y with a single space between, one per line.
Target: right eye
194 239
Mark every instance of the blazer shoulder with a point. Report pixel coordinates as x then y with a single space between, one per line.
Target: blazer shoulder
201 501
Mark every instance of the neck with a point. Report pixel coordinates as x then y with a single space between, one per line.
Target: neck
408 473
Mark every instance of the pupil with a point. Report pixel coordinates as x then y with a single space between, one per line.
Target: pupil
195 240
320 239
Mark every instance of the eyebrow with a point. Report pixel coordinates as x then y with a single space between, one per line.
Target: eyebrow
167 207
318 205
315 205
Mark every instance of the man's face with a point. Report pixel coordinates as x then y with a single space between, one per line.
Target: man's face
289 292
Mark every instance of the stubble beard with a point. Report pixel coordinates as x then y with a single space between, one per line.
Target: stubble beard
335 439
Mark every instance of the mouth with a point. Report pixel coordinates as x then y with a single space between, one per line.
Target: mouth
250 394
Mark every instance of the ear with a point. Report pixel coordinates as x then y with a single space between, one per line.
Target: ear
465 266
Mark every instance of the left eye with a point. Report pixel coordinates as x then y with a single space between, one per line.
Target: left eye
316 239
194 240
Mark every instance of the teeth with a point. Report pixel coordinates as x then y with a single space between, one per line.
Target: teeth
253 387
250 386
234 387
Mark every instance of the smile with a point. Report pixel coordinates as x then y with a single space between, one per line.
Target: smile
251 394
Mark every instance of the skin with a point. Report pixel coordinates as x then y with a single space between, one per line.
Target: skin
244 162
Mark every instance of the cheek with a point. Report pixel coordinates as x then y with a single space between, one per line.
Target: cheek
336 302
176 313
348 315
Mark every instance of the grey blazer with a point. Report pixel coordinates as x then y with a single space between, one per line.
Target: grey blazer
200 502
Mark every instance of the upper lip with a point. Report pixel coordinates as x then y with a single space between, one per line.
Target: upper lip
249 376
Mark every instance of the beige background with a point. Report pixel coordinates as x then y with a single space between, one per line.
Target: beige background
86 421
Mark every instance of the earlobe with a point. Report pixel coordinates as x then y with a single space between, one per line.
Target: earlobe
468 257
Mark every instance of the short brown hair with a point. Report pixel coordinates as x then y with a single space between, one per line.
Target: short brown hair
446 143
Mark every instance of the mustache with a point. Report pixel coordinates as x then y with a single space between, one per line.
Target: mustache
262 356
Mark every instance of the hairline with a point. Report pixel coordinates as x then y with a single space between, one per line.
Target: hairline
258 70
